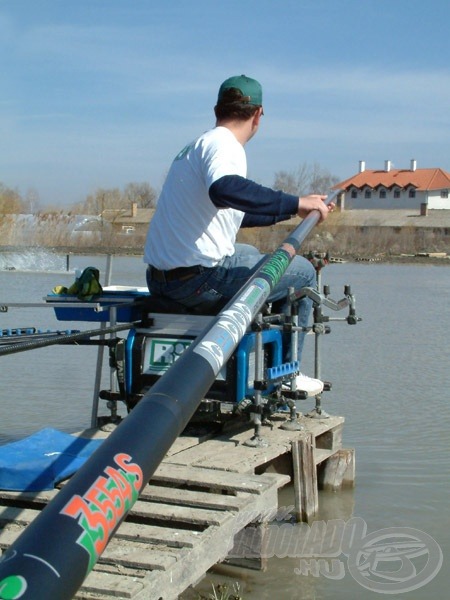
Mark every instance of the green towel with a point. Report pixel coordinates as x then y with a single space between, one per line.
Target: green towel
85 287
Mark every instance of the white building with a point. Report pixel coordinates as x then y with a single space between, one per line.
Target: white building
396 188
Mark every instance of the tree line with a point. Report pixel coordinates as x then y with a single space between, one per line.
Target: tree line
306 179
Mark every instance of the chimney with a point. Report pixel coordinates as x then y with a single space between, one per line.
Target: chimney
134 209
362 166
413 164
387 165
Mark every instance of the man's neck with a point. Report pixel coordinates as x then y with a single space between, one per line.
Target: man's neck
242 130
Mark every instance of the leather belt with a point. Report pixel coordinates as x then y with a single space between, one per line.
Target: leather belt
179 274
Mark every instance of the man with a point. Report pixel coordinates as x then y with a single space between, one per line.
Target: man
190 248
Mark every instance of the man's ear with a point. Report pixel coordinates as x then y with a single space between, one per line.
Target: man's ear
257 116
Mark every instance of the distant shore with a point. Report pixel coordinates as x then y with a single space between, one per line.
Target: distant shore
425 258
422 258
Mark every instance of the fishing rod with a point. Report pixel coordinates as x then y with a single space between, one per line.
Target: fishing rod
53 338
55 553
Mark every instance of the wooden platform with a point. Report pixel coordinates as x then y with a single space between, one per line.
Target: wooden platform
201 496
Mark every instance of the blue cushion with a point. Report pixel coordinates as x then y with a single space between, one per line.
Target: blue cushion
41 460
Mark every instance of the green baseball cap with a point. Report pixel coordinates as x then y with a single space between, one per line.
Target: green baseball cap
250 88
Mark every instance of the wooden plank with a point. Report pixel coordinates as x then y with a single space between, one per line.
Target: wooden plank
172 512
152 510
17 518
219 446
184 442
39 497
9 534
173 495
22 516
305 479
180 444
155 493
140 555
210 478
154 534
110 585
239 459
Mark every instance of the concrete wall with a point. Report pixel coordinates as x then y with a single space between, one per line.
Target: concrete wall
375 202
435 201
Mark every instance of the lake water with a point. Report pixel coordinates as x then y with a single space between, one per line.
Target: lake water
391 380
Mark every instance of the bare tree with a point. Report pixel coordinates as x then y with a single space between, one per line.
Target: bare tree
32 200
287 182
322 180
103 199
306 179
11 201
140 193
115 200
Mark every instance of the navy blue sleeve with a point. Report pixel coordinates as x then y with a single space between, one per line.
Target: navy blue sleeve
250 220
234 191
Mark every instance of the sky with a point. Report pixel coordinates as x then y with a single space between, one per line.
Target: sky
100 93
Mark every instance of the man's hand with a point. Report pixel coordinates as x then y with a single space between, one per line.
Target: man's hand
314 202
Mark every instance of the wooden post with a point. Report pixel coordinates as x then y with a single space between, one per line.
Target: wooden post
331 439
305 478
252 539
338 471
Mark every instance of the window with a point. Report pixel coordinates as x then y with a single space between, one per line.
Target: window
368 194
354 193
382 193
444 193
412 193
396 193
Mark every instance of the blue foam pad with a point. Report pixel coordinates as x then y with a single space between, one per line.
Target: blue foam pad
41 460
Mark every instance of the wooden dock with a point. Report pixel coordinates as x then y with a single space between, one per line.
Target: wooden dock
202 495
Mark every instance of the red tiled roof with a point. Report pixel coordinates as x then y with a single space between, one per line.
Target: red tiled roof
421 179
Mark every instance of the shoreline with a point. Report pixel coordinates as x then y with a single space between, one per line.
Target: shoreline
422 258
425 258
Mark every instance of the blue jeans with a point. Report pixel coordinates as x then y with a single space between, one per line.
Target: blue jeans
216 286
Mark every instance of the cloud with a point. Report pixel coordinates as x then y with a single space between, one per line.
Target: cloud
383 86
344 103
